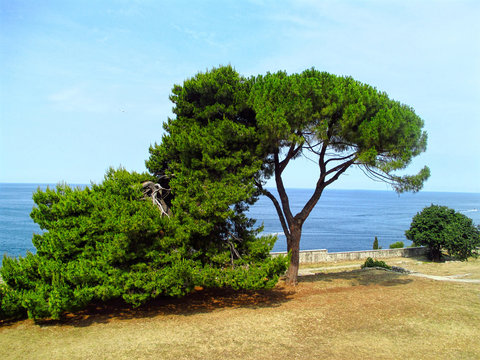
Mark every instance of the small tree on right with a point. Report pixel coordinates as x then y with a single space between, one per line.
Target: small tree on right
441 228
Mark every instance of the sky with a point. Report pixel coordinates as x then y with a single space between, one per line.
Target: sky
84 85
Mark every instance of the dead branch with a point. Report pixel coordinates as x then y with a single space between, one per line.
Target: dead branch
158 194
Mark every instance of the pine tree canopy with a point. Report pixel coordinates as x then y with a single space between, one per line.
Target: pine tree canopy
230 134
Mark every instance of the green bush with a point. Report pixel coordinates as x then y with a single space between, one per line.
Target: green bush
375 263
108 242
397 245
440 228
375 244
10 303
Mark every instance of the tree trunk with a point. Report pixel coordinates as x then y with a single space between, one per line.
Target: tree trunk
293 246
436 254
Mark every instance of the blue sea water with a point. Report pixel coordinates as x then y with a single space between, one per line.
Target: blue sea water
349 220
343 220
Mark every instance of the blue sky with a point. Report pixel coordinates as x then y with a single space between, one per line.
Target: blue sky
84 85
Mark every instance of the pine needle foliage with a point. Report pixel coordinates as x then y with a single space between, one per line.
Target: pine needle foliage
231 134
108 242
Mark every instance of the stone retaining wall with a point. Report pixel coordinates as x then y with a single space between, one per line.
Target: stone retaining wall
322 255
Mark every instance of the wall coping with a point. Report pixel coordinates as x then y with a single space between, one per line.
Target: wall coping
322 255
345 252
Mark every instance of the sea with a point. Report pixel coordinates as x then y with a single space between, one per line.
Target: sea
343 220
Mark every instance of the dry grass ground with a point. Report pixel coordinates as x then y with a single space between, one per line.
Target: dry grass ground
341 313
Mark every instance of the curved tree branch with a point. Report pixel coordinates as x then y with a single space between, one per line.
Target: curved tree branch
277 207
340 158
282 192
340 171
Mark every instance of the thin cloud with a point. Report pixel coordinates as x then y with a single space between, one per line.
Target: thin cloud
77 99
206 37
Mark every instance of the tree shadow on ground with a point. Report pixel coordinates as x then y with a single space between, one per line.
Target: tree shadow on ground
443 259
208 300
358 277
202 301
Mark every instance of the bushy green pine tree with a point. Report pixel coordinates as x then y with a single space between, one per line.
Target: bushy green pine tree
108 241
208 155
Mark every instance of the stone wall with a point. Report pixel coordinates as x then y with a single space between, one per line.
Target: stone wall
322 255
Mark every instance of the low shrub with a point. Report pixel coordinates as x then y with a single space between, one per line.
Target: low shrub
375 263
397 245
443 229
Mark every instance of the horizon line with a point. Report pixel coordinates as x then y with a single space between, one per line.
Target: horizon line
274 188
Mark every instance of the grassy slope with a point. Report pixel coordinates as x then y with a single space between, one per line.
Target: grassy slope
339 315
